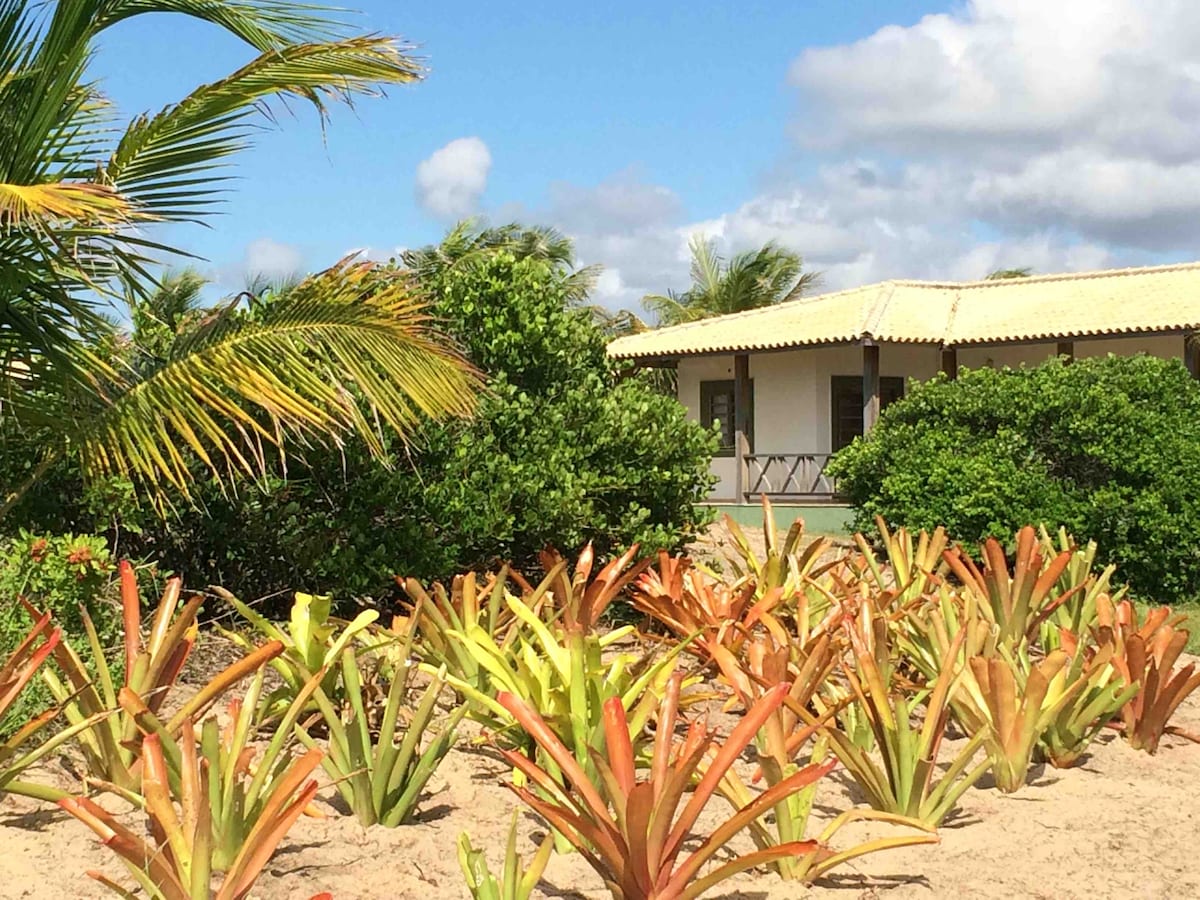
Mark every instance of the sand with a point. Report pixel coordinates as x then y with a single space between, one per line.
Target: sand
1122 824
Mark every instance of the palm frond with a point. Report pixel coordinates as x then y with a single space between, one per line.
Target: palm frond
671 308
239 383
619 323
706 266
581 282
751 279
264 24
805 285
164 162
32 205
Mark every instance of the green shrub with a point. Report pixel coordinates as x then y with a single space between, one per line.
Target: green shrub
1108 447
60 574
563 450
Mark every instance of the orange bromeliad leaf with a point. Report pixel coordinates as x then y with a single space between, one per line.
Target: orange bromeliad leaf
111 749
1020 601
691 603
631 831
1146 655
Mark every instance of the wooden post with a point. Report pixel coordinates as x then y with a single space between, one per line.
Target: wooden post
741 422
1191 353
950 362
870 391
1067 349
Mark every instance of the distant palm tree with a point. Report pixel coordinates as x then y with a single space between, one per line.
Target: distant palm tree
158 317
470 241
750 280
1006 274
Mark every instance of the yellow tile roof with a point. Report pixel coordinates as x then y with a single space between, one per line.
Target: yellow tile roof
1045 307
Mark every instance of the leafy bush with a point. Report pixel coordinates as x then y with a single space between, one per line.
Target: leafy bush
1108 447
59 574
562 450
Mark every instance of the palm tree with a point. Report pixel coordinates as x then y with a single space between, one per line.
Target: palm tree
470 241
76 233
161 315
1007 274
750 280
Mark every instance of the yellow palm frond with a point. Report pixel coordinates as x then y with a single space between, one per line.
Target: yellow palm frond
340 340
37 206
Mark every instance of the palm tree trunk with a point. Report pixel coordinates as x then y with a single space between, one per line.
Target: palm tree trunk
35 476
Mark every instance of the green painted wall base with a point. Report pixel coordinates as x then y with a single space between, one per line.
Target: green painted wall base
818 519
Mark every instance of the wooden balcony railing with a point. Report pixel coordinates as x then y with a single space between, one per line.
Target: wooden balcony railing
792 476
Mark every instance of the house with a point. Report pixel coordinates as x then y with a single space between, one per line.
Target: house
791 384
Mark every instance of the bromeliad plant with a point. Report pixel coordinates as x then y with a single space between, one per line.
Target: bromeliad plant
310 642
715 617
1081 582
1017 707
907 781
516 881
176 861
1145 654
437 615
787 564
241 781
910 571
631 831
111 748
1018 603
15 673
783 734
1104 693
563 667
382 781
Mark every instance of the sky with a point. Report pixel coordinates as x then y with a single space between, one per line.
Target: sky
887 139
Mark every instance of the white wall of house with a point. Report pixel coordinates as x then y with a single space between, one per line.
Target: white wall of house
793 406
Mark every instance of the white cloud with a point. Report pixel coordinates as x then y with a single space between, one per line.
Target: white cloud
451 181
1062 136
1078 114
1014 71
626 224
271 258
264 257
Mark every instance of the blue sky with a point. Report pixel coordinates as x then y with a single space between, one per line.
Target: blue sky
879 139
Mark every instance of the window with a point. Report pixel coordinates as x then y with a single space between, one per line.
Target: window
717 405
846 392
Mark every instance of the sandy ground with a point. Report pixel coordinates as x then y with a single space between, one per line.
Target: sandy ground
1123 824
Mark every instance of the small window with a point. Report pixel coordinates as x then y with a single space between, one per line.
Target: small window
717 405
846 393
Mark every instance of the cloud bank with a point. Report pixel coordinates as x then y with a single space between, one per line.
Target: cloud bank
1060 136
